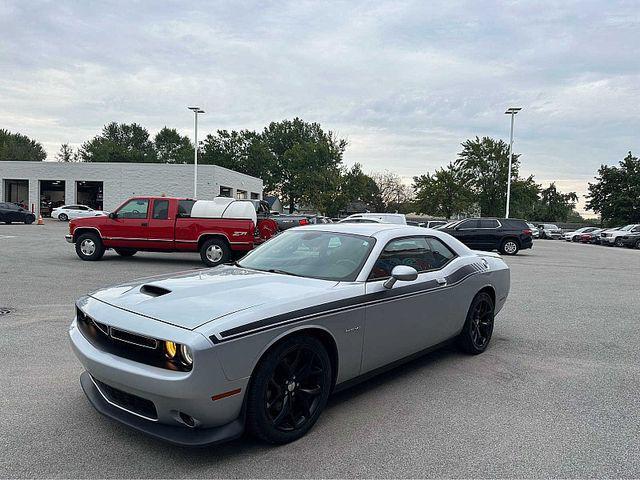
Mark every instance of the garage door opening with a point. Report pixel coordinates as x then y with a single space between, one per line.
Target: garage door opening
90 194
51 196
16 191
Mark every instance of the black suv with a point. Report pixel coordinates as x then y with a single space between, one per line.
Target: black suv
507 235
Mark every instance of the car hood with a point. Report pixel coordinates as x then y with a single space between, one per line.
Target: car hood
194 298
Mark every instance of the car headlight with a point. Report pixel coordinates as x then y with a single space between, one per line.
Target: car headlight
170 349
185 355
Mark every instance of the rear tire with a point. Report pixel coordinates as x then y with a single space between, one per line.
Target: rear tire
618 242
126 252
63 217
89 247
289 390
29 220
509 246
638 244
214 252
478 327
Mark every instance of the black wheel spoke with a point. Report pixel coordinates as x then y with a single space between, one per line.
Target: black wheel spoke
311 392
284 412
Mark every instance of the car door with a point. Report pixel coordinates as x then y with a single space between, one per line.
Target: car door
488 235
466 231
160 233
411 316
129 227
83 212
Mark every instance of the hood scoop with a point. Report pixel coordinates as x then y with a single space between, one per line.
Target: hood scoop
154 290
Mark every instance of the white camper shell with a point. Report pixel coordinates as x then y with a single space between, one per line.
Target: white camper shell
224 207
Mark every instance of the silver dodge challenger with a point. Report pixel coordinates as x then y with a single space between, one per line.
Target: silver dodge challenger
198 357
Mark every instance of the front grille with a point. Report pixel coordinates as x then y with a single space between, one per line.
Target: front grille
132 346
128 401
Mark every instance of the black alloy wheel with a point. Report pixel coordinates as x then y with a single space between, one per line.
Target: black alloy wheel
290 390
478 327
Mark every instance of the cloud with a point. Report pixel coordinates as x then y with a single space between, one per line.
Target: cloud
405 82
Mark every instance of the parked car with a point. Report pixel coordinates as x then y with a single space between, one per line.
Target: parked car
631 240
591 237
550 231
435 223
360 220
397 218
218 229
614 237
535 232
69 212
507 235
411 223
199 357
12 213
286 221
575 235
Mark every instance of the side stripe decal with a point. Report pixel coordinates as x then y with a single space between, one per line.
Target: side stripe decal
347 304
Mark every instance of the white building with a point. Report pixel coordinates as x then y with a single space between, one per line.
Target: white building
43 185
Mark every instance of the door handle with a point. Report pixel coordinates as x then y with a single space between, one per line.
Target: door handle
145 224
441 281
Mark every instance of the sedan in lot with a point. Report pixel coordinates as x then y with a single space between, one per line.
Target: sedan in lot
199 357
574 236
70 212
631 240
12 213
550 231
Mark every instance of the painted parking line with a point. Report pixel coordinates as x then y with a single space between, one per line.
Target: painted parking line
7 236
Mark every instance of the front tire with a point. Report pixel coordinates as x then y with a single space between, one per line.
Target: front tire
478 327
126 252
289 390
29 220
618 242
63 217
214 252
89 247
509 247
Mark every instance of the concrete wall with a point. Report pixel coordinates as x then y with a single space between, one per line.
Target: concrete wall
123 180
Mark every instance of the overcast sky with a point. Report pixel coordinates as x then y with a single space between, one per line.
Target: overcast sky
404 82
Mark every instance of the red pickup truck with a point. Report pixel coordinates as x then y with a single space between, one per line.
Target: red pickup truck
219 229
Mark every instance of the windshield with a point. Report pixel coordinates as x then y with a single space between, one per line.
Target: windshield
627 227
313 254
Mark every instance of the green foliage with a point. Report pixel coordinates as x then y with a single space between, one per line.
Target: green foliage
525 198
67 154
443 194
171 147
18 147
120 143
485 164
616 193
554 205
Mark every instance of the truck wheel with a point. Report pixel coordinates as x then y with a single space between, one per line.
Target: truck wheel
126 252
89 247
214 252
509 247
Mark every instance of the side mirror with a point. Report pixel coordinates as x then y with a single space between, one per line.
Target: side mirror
403 273
113 215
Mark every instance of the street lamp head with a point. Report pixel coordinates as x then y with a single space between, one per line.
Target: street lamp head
196 109
513 110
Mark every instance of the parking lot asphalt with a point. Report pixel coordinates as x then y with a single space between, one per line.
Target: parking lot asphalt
557 394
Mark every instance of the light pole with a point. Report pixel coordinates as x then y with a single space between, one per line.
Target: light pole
196 111
513 112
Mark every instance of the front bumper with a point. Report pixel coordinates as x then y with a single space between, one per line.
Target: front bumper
114 384
191 437
68 238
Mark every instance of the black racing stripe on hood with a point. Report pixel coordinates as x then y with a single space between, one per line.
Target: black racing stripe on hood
347 304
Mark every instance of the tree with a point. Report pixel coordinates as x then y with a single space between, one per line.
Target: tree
555 206
485 163
120 143
525 199
171 147
394 195
67 154
303 153
444 194
616 193
18 147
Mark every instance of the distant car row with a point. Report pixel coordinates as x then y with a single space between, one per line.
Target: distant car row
628 236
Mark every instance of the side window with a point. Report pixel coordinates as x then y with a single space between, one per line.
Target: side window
136 208
421 253
488 223
160 209
184 207
82 207
467 224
